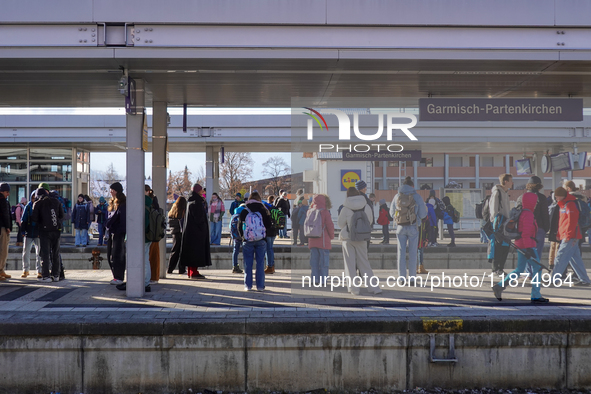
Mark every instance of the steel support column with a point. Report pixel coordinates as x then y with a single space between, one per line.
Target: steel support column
159 135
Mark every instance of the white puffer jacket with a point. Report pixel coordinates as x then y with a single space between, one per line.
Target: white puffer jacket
351 204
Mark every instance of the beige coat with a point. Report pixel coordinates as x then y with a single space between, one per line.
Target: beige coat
350 204
496 205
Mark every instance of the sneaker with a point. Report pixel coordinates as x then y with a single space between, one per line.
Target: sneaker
500 272
39 276
122 286
540 300
237 270
48 279
148 289
451 245
261 289
198 277
246 288
270 270
153 282
116 281
498 291
25 274
55 278
582 284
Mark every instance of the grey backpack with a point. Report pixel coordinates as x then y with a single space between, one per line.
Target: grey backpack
360 229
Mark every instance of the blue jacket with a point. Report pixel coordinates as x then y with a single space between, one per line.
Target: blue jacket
420 207
303 212
447 219
29 227
431 214
81 216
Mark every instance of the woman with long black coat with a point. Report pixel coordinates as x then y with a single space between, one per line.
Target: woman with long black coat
195 251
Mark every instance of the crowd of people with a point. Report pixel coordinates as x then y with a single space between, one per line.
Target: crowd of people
196 225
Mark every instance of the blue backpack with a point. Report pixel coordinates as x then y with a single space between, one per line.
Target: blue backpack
234 227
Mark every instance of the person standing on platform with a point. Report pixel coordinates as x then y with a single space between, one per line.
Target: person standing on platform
283 203
499 205
235 204
101 219
216 214
361 187
81 221
384 220
154 252
176 219
195 249
5 228
319 221
18 214
116 225
48 214
31 232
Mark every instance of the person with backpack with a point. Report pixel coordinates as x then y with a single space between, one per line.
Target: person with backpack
450 216
408 210
81 221
432 227
195 245
438 205
278 223
295 222
176 217
90 204
554 215
499 207
361 187
319 229
355 224
101 219
527 245
423 243
236 238
154 252
216 214
541 215
31 233
569 234
235 204
48 214
254 224
283 203
5 228
18 214
116 226
581 203
384 220
301 220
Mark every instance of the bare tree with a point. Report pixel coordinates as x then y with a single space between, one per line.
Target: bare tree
276 169
180 182
100 182
236 169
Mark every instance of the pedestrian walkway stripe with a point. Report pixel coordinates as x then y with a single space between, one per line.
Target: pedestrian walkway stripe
55 295
18 293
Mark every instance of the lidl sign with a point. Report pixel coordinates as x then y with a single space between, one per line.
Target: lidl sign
349 178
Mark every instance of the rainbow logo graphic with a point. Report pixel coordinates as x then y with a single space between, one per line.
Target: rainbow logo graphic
316 117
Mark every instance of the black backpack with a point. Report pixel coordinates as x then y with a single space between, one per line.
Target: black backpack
482 209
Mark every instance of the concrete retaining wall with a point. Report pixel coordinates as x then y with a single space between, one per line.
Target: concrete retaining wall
294 356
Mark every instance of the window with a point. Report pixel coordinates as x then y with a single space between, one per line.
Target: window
472 161
426 186
378 164
392 164
13 154
455 161
51 154
393 185
487 161
472 185
426 162
376 186
488 185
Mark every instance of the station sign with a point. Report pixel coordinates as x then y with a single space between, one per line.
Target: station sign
500 110
405 155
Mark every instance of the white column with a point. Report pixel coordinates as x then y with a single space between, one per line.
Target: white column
209 159
415 174
216 172
384 175
507 164
135 197
477 165
446 169
159 132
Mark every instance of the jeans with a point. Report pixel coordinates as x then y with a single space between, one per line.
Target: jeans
250 251
421 255
501 253
294 234
540 238
27 253
282 233
175 252
410 235
483 237
452 234
270 253
81 237
116 255
235 252
101 230
147 269
319 260
50 253
19 234
589 237
522 261
386 233
216 232
570 252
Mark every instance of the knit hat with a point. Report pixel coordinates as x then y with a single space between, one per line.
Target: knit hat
571 185
44 186
560 192
238 195
102 200
535 180
117 187
197 188
4 187
432 193
24 200
41 192
81 195
246 195
382 201
360 185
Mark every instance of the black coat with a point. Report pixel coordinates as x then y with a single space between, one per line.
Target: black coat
195 243
5 218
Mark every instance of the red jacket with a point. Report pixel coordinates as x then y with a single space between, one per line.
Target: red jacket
568 225
527 225
319 202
